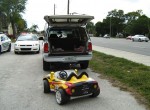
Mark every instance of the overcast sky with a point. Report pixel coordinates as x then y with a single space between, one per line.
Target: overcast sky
37 9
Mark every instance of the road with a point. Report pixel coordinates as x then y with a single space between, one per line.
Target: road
142 48
138 52
21 88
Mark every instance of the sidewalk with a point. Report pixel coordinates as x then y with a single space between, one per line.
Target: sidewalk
123 54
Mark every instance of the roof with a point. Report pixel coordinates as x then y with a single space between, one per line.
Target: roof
61 20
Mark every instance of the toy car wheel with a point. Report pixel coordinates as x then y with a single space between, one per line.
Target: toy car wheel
46 86
61 97
96 93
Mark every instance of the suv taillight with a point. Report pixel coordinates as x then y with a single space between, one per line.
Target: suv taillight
45 47
89 46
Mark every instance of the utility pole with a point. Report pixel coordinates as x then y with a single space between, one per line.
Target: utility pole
68 8
54 9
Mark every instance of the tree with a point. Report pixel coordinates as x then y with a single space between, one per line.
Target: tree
101 28
90 27
116 20
21 24
132 16
33 28
13 8
136 23
140 26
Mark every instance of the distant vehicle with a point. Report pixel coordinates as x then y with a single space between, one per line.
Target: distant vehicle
106 36
5 43
140 38
129 38
27 43
66 41
119 35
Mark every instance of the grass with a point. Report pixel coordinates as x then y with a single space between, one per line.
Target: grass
134 76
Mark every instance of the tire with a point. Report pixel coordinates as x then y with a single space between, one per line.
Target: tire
84 65
15 52
61 97
140 40
38 50
95 94
132 40
46 65
46 86
0 49
9 49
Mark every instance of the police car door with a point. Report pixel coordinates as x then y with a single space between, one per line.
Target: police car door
4 42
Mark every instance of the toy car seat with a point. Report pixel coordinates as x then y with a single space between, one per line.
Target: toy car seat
71 75
83 73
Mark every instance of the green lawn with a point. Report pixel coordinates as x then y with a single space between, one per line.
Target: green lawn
133 75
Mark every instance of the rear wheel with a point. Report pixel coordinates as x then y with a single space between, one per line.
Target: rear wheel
84 65
46 86
9 49
61 97
139 40
46 65
0 49
133 40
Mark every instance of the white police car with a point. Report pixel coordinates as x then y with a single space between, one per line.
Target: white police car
5 43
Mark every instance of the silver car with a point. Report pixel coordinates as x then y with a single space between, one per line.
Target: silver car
5 43
140 38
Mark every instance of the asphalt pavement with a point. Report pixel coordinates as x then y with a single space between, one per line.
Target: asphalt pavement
138 52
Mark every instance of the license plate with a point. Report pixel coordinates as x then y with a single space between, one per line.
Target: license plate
71 58
85 89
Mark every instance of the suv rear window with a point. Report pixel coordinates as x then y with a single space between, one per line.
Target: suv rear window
70 32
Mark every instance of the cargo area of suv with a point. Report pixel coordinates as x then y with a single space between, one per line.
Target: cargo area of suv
66 40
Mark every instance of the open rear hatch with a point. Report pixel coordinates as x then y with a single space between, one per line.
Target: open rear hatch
73 38
68 20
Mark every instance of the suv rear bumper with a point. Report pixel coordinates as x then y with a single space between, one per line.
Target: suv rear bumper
67 59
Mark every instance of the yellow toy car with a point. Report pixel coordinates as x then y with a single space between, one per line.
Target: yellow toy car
68 83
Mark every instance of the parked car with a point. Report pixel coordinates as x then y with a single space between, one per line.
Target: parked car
5 43
66 41
140 38
129 38
27 43
68 83
106 36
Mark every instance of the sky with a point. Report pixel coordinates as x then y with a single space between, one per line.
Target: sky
37 9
